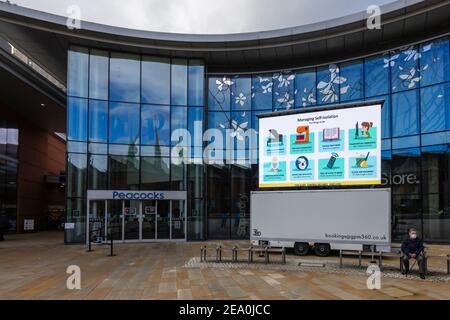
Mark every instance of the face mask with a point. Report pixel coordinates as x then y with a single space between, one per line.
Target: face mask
413 236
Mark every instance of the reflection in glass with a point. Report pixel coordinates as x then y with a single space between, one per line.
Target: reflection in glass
434 61
123 172
179 82
98 175
98 74
179 122
124 123
77 119
76 213
98 121
124 77
434 106
352 88
405 113
196 83
376 75
77 79
155 173
76 174
155 122
155 80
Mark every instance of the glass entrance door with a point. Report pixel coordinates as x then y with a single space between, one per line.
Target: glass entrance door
146 220
178 220
114 217
163 208
131 221
149 220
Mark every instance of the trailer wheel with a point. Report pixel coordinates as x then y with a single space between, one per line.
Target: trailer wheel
301 248
322 249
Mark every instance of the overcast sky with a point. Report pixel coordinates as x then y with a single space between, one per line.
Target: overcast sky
205 16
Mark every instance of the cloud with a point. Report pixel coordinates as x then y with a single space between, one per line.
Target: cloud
205 16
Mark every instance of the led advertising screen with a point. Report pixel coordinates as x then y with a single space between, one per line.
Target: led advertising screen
341 146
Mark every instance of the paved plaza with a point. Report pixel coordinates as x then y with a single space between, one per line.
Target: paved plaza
33 266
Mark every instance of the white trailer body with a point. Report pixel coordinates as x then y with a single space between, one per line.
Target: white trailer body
343 218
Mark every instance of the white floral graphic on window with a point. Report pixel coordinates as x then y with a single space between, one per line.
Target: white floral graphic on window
409 73
283 97
330 89
224 84
237 126
240 99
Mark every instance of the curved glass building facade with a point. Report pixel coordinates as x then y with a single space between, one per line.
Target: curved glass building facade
124 111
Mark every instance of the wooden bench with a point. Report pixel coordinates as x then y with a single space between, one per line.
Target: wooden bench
264 251
361 254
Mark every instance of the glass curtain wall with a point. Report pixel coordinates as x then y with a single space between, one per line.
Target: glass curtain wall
413 82
9 162
122 110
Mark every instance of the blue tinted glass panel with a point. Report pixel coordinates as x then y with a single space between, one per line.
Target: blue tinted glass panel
78 72
305 88
328 82
98 74
179 120
125 77
219 93
241 93
385 115
405 69
196 83
98 121
220 121
351 87
434 106
434 61
124 123
195 125
405 113
77 117
377 75
283 90
262 86
240 123
179 82
155 122
155 80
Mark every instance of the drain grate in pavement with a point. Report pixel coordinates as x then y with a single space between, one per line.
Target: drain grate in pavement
311 264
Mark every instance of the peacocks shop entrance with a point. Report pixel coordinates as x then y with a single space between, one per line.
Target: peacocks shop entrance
136 216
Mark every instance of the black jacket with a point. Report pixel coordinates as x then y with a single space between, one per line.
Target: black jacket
412 246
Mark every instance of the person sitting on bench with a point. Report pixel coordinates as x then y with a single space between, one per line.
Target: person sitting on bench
412 247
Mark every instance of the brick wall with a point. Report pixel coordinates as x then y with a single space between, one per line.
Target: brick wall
40 153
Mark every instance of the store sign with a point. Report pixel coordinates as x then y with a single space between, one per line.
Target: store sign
135 195
340 146
400 179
